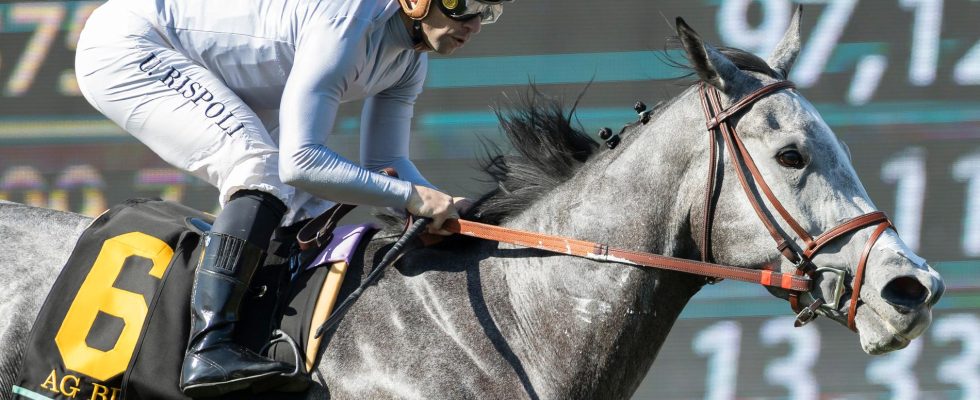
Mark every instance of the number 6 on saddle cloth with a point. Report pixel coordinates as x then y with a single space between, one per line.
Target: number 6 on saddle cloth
117 321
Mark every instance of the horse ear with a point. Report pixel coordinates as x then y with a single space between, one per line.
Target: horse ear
712 67
784 55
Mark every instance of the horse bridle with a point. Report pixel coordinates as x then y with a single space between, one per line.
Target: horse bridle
719 122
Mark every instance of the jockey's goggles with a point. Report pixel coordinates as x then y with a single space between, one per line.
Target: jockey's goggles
462 10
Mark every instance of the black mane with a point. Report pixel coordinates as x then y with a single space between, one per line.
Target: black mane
548 150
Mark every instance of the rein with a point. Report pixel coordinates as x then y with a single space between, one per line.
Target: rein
604 252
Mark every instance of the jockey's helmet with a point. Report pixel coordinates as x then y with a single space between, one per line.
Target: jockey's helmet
487 10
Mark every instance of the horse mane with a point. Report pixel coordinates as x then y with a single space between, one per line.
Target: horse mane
548 150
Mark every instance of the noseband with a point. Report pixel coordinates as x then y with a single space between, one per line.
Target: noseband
719 123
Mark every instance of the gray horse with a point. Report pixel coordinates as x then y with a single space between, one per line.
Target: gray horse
478 319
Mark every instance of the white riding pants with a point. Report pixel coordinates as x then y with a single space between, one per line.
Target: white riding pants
180 110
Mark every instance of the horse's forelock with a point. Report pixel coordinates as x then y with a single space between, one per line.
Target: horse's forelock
742 59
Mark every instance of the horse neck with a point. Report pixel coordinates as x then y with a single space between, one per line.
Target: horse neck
593 329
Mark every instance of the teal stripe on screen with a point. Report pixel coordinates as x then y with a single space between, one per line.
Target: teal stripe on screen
487 118
731 299
774 307
449 73
885 113
900 113
846 55
446 73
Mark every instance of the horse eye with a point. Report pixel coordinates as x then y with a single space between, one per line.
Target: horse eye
791 159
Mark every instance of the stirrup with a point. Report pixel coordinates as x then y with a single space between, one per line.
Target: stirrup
279 336
295 381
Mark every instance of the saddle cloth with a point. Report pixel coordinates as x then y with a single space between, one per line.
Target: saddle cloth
115 323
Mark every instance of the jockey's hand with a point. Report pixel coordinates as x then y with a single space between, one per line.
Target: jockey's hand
428 202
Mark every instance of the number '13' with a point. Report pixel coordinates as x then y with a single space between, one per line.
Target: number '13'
98 295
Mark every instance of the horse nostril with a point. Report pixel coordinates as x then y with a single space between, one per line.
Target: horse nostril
904 293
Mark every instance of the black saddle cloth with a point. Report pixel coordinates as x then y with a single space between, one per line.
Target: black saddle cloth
116 321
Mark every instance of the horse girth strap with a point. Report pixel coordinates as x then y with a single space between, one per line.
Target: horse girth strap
603 252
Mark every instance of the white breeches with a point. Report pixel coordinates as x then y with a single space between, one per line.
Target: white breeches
180 110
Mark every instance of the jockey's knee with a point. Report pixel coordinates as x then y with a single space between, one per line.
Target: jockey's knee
251 215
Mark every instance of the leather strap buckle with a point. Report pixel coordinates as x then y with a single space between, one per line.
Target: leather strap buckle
808 314
322 238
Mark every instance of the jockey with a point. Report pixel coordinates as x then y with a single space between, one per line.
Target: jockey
243 94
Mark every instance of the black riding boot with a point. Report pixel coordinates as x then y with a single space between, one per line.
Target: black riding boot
214 364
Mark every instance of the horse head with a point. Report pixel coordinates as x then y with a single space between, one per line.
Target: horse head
812 187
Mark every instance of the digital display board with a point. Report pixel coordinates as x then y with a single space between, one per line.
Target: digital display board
897 80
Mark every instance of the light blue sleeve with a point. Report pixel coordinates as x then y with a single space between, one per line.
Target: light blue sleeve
326 61
386 123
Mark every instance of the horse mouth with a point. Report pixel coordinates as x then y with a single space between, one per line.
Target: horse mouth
896 342
901 341
893 338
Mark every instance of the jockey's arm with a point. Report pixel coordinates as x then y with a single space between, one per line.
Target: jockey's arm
313 93
324 67
386 123
385 132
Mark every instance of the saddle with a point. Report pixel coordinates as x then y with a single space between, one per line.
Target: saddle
115 323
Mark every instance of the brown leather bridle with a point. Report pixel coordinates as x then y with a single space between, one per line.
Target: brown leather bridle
719 122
